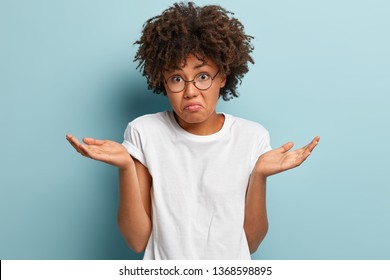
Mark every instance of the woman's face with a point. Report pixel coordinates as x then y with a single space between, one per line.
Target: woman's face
194 106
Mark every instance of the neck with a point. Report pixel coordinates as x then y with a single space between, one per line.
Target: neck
212 125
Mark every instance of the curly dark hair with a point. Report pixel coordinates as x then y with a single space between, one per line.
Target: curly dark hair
205 32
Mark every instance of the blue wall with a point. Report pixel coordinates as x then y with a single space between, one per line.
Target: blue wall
322 67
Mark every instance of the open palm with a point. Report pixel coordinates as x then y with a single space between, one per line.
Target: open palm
281 159
106 151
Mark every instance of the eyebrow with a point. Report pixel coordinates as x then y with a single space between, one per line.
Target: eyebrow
195 67
201 65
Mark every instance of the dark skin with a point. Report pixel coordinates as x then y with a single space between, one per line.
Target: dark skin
255 223
134 217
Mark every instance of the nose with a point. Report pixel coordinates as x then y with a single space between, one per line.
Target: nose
190 90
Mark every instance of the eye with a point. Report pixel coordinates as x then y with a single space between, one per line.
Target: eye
175 79
202 77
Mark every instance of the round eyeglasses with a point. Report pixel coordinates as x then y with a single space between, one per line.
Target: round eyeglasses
202 81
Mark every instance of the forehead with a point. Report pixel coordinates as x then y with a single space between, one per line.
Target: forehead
193 62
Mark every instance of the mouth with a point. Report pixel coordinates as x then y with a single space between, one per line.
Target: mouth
193 107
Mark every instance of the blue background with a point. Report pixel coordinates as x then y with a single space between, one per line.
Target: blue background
322 68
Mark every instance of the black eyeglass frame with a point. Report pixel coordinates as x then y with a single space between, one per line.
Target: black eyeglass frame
191 81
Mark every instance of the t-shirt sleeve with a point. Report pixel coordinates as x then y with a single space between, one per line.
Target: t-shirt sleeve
262 147
132 142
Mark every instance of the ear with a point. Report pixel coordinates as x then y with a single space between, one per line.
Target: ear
223 81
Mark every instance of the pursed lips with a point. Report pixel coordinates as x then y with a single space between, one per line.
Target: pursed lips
193 106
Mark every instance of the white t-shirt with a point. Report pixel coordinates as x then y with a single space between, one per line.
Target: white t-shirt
199 185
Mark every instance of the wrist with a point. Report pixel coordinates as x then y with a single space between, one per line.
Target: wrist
127 166
259 175
258 170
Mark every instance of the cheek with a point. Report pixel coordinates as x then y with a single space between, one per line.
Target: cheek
216 91
212 99
174 100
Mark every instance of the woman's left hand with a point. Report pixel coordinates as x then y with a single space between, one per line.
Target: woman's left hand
282 159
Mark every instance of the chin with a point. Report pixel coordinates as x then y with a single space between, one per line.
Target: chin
191 117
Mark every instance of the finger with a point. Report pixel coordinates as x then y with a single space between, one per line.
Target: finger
71 138
286 147
93 141
74 142
86 151
307 150
310 147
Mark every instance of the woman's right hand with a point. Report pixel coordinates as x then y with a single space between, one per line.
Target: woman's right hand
106 151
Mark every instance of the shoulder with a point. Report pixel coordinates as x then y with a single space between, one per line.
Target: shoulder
147 128
150 121
247 126
254 135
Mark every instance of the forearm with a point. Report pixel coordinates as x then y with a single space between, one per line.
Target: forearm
255 222
133 219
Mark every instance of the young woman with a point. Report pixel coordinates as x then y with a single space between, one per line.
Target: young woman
193 181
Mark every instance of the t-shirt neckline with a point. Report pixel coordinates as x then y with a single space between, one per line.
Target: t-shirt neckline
196 137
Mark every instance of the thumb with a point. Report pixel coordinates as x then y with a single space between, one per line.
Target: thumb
92 141
286 147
